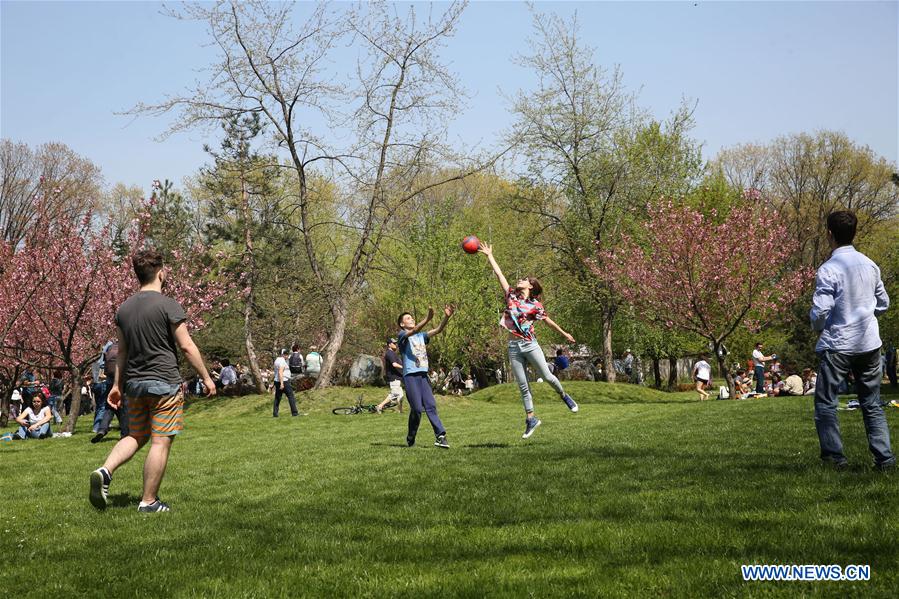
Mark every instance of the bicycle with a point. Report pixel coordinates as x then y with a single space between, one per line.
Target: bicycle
359 408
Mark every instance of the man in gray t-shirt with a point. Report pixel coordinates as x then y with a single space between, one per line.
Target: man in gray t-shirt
150 328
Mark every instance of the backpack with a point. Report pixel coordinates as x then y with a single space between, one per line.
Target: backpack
109 360
723 392
296 363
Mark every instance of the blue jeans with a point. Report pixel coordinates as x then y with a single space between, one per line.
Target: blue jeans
101 391
43 431
522 353
832 371
759 372
51 401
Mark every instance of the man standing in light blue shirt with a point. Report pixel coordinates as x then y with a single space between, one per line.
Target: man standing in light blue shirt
849 296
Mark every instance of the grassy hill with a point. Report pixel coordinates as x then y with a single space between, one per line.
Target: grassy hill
642 493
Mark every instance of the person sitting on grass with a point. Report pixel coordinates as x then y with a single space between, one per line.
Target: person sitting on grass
228 375
792 385
34 421
741 384
809 379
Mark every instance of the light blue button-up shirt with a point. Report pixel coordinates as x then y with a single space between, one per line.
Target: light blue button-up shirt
849 296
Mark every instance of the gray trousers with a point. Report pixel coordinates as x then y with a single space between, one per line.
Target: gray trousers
522 353
832 371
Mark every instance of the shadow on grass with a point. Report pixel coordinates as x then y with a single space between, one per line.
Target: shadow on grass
387 445
487 446
123 500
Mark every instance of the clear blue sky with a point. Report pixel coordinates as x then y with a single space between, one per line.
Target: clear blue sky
757 70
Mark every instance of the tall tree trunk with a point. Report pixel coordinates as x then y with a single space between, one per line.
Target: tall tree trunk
335 342
251 348
608 363
75 407
672 372
722 368
656 372
248 304
5 405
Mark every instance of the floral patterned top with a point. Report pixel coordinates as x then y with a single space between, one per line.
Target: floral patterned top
521 314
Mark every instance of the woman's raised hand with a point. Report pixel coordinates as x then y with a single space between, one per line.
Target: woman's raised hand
485 249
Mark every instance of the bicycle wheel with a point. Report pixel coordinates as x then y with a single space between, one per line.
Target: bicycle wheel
345 411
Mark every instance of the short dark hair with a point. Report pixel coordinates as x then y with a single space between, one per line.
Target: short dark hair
842 225
560 351
399 319
226 362
296 347
146 264
758 343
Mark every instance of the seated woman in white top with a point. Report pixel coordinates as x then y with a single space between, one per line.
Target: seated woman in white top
809 379
34 421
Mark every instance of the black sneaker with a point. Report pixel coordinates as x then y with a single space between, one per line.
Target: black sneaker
98 437
441 441
156 506
100 479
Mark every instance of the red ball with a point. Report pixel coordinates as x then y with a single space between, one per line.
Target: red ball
471 244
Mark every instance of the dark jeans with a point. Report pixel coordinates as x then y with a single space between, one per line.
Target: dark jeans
288 390
891 368
421 399
832 371
121 414
101 391
759 379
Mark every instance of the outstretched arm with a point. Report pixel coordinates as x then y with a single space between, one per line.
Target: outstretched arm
423 323
447 312
552 324
487 250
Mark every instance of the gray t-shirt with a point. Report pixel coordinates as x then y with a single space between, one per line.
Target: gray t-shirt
145 319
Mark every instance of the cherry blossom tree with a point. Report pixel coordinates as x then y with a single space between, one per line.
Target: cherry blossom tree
708 273
82 277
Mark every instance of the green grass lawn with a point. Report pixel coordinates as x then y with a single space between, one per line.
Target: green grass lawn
640 494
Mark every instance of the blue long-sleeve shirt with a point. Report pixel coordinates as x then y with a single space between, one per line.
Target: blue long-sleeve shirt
849 296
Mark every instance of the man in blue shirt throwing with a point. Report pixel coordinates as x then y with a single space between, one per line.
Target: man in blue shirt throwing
849 296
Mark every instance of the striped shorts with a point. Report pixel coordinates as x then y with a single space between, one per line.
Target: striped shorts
161 416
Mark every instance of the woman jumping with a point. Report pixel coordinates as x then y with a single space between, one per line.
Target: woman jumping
523 309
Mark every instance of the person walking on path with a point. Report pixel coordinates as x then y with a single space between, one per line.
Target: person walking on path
849 296
523 310
150 327
283 385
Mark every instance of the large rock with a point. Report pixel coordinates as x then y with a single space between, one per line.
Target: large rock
579 370
365 370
